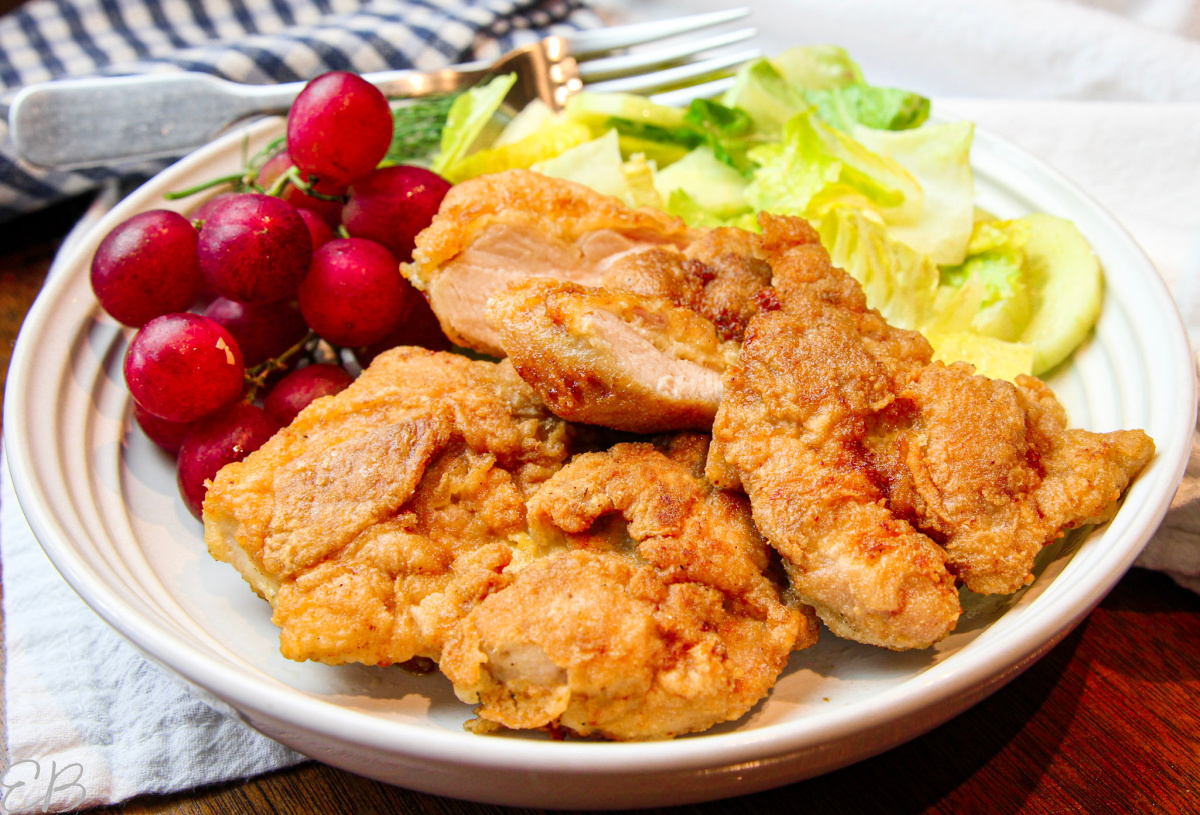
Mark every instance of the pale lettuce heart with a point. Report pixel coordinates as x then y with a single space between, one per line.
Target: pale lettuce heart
898 281
816 168
938 157
596 164
711 183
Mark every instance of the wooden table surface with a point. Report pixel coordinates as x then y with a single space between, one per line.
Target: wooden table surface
1107 722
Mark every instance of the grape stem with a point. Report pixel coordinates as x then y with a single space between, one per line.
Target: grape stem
259 159
207 185
256 377
293 178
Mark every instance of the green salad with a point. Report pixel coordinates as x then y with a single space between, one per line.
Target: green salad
803 133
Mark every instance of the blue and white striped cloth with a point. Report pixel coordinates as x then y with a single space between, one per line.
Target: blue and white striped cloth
255 41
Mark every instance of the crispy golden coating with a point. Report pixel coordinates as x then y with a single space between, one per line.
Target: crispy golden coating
717 275
633 317
790 431
382 514
652 615
882 477
624 361
991 471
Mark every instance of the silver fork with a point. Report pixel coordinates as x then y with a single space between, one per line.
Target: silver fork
75 123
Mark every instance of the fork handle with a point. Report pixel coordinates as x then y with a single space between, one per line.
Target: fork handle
75 123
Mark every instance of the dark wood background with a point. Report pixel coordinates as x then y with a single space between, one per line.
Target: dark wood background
1107 722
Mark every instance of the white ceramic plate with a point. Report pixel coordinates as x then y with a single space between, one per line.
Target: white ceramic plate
102 500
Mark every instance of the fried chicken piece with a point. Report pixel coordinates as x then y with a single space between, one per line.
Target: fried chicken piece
790 431
991 471
499 228
611 358
505 227
717 276
640 351
664 624
382 514
881 476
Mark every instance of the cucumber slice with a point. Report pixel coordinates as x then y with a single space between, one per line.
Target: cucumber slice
1067 286
595 109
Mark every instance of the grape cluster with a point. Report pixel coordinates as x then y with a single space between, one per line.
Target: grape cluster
297 261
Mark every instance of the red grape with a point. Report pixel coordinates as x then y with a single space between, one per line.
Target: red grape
146 266
254 249
262 331
229 436
182 367
320 232
167 435
201 212
392 204
339 128
420 327
301 387
330 211
354 294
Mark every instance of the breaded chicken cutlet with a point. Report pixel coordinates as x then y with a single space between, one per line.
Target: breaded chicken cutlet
884 478
654 617
418 514
655 309
381 515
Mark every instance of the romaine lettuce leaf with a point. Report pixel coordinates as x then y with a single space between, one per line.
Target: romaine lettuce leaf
546 143
823 67
898 281
766 96
991 357
680 204
1032 281
815 168
597 164
869 106
470 114
529 120
639 175
829 80
904 286
995 265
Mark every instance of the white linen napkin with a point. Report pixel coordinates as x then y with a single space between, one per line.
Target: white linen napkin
1129 135
90 720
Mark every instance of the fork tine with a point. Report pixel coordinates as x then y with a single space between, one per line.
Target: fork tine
642 83
595 69
610 39
682 97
